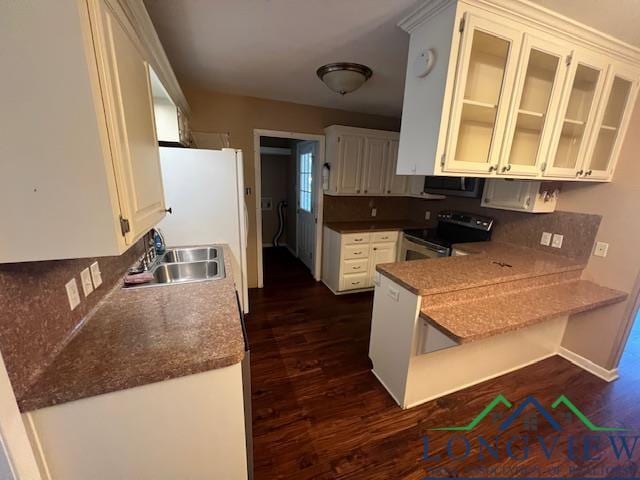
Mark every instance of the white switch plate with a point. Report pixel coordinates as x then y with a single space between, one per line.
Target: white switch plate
96 276
545 239
557 240
427 215
72 293
393 293
85 279
374 212
601 249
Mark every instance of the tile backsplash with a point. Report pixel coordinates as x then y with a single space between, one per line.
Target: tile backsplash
579 229
35 320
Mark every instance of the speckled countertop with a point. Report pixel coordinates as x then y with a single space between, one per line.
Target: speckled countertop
487 316
372 226
489 263
145 335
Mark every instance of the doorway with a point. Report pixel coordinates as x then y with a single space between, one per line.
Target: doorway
288 183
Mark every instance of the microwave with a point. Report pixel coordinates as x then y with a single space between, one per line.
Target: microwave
454 186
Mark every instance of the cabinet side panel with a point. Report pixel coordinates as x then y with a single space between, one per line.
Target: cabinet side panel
424 97
53 180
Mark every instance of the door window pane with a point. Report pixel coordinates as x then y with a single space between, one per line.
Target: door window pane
306 180
485 75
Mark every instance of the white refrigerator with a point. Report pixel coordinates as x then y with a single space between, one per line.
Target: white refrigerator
205 190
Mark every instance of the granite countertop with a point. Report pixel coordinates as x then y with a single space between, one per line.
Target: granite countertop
372 225
483 317
144 335
489 263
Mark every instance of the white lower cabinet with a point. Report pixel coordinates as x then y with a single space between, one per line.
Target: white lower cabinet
186 427
349 260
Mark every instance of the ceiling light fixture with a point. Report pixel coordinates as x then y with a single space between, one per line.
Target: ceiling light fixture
344 77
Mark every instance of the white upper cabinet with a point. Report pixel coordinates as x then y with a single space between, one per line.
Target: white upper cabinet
541 74
363 162
503 88
487 65
376 168
80 143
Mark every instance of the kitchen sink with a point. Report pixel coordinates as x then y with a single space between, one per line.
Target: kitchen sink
193 254
186 265
187 272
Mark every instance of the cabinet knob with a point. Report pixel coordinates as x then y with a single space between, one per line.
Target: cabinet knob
375 248
169 210
358 191
365 191
388 191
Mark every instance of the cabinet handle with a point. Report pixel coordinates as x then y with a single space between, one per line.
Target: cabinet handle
366 191
384 238
579 172
506 169
356 268
169 210
493 168
357 239
588 172
355 283
358 191
357 253
388 191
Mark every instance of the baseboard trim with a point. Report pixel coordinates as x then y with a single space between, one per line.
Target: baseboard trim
588 365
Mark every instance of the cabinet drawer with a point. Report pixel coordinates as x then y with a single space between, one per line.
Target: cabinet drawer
350 252
379 237
353 281
355 238
355 266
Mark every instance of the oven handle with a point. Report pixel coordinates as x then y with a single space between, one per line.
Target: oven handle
422 243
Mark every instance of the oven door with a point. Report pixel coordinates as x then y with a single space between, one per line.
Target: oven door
416 249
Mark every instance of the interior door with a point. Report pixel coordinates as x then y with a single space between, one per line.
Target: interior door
576 115
541 74
611 122
484 82
306 155
126 86
376 158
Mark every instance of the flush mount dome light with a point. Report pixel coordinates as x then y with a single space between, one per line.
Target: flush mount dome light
344 77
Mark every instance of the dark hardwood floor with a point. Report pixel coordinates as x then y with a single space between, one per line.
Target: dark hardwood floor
319 413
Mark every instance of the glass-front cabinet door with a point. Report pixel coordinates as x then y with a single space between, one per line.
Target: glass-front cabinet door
541 73
612 119
484 82
576 117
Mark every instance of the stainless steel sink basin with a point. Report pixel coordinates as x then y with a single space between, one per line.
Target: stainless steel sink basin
186 265
187 272
194 254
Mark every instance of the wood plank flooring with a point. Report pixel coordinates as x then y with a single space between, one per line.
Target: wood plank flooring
319 413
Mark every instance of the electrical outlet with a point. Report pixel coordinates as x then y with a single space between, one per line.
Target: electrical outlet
72 293
87 284
374 212
545 239
427 215
96 276
557 240
601 249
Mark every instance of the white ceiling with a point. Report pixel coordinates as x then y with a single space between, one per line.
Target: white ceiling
272 48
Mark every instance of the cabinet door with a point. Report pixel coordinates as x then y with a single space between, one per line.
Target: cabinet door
541 73
380 253
484 81
611 124
350 160
124 78
576 116
395 184
376 159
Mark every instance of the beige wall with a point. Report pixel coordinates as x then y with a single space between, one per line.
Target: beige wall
239 116
598 335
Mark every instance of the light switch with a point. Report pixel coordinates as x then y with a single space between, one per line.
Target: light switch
96 276
87 284
374 212
545 239
72 293
427 215
557 240
601 249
